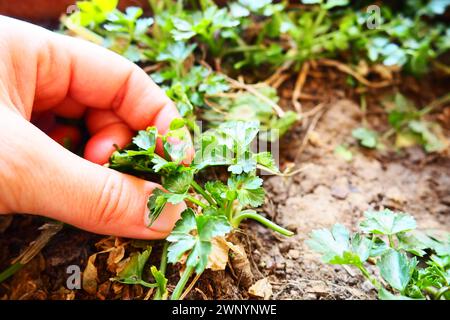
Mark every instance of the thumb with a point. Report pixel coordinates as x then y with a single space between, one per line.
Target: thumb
46 179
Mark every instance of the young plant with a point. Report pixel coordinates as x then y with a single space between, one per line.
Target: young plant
217 207
408 125
389 240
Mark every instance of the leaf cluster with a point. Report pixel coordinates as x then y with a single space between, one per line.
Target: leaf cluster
412 264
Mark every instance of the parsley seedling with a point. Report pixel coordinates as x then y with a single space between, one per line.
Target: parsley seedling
390 240
219 207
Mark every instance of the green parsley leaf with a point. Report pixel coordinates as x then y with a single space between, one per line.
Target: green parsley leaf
387 222
146 139
161 281
396 269
248 189
134 269
337 247
193 234
366 137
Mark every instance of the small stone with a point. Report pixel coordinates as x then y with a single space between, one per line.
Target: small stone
294 254
339 193
394 194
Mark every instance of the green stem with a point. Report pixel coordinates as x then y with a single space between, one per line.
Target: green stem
243 48
253 215
368 276
182 283
441 292
440 101
431 291
162 268
147 284
202 191
197 202
391 241
11 270
229 210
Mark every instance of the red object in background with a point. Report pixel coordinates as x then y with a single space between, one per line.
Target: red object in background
44 10
66 135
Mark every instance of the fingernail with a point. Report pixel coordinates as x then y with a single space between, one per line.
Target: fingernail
167 219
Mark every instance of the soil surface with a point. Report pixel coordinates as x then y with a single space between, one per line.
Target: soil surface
327 190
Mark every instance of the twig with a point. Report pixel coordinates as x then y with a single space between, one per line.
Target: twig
310 129
204 296
152 68
252 90
48 231
299 86
313 111
285 174
274 77
435 104
214 106
281 79
191 285
346 69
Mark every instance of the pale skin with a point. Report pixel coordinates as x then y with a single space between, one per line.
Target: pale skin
41 71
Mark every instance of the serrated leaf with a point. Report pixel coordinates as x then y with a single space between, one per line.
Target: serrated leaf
146 139
396 269
330 244
176 52
366 137
337 247
133 270
248 189
387 222
266 160
217 190
193 233
178 181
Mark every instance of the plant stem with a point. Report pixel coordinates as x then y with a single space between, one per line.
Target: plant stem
147 284
162 268
182 283
441 292
391 241
11 270
366 274
229 210
202 191
255 216
197 202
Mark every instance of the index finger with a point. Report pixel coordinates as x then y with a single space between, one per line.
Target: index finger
55 66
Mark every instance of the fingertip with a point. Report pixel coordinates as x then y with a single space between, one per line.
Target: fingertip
102 144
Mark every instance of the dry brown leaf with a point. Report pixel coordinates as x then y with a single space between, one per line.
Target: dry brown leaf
90 276
218 258
238 249
114 257
385 72
121 265
261 288
241 265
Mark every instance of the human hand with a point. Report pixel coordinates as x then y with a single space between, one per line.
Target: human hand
41 71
